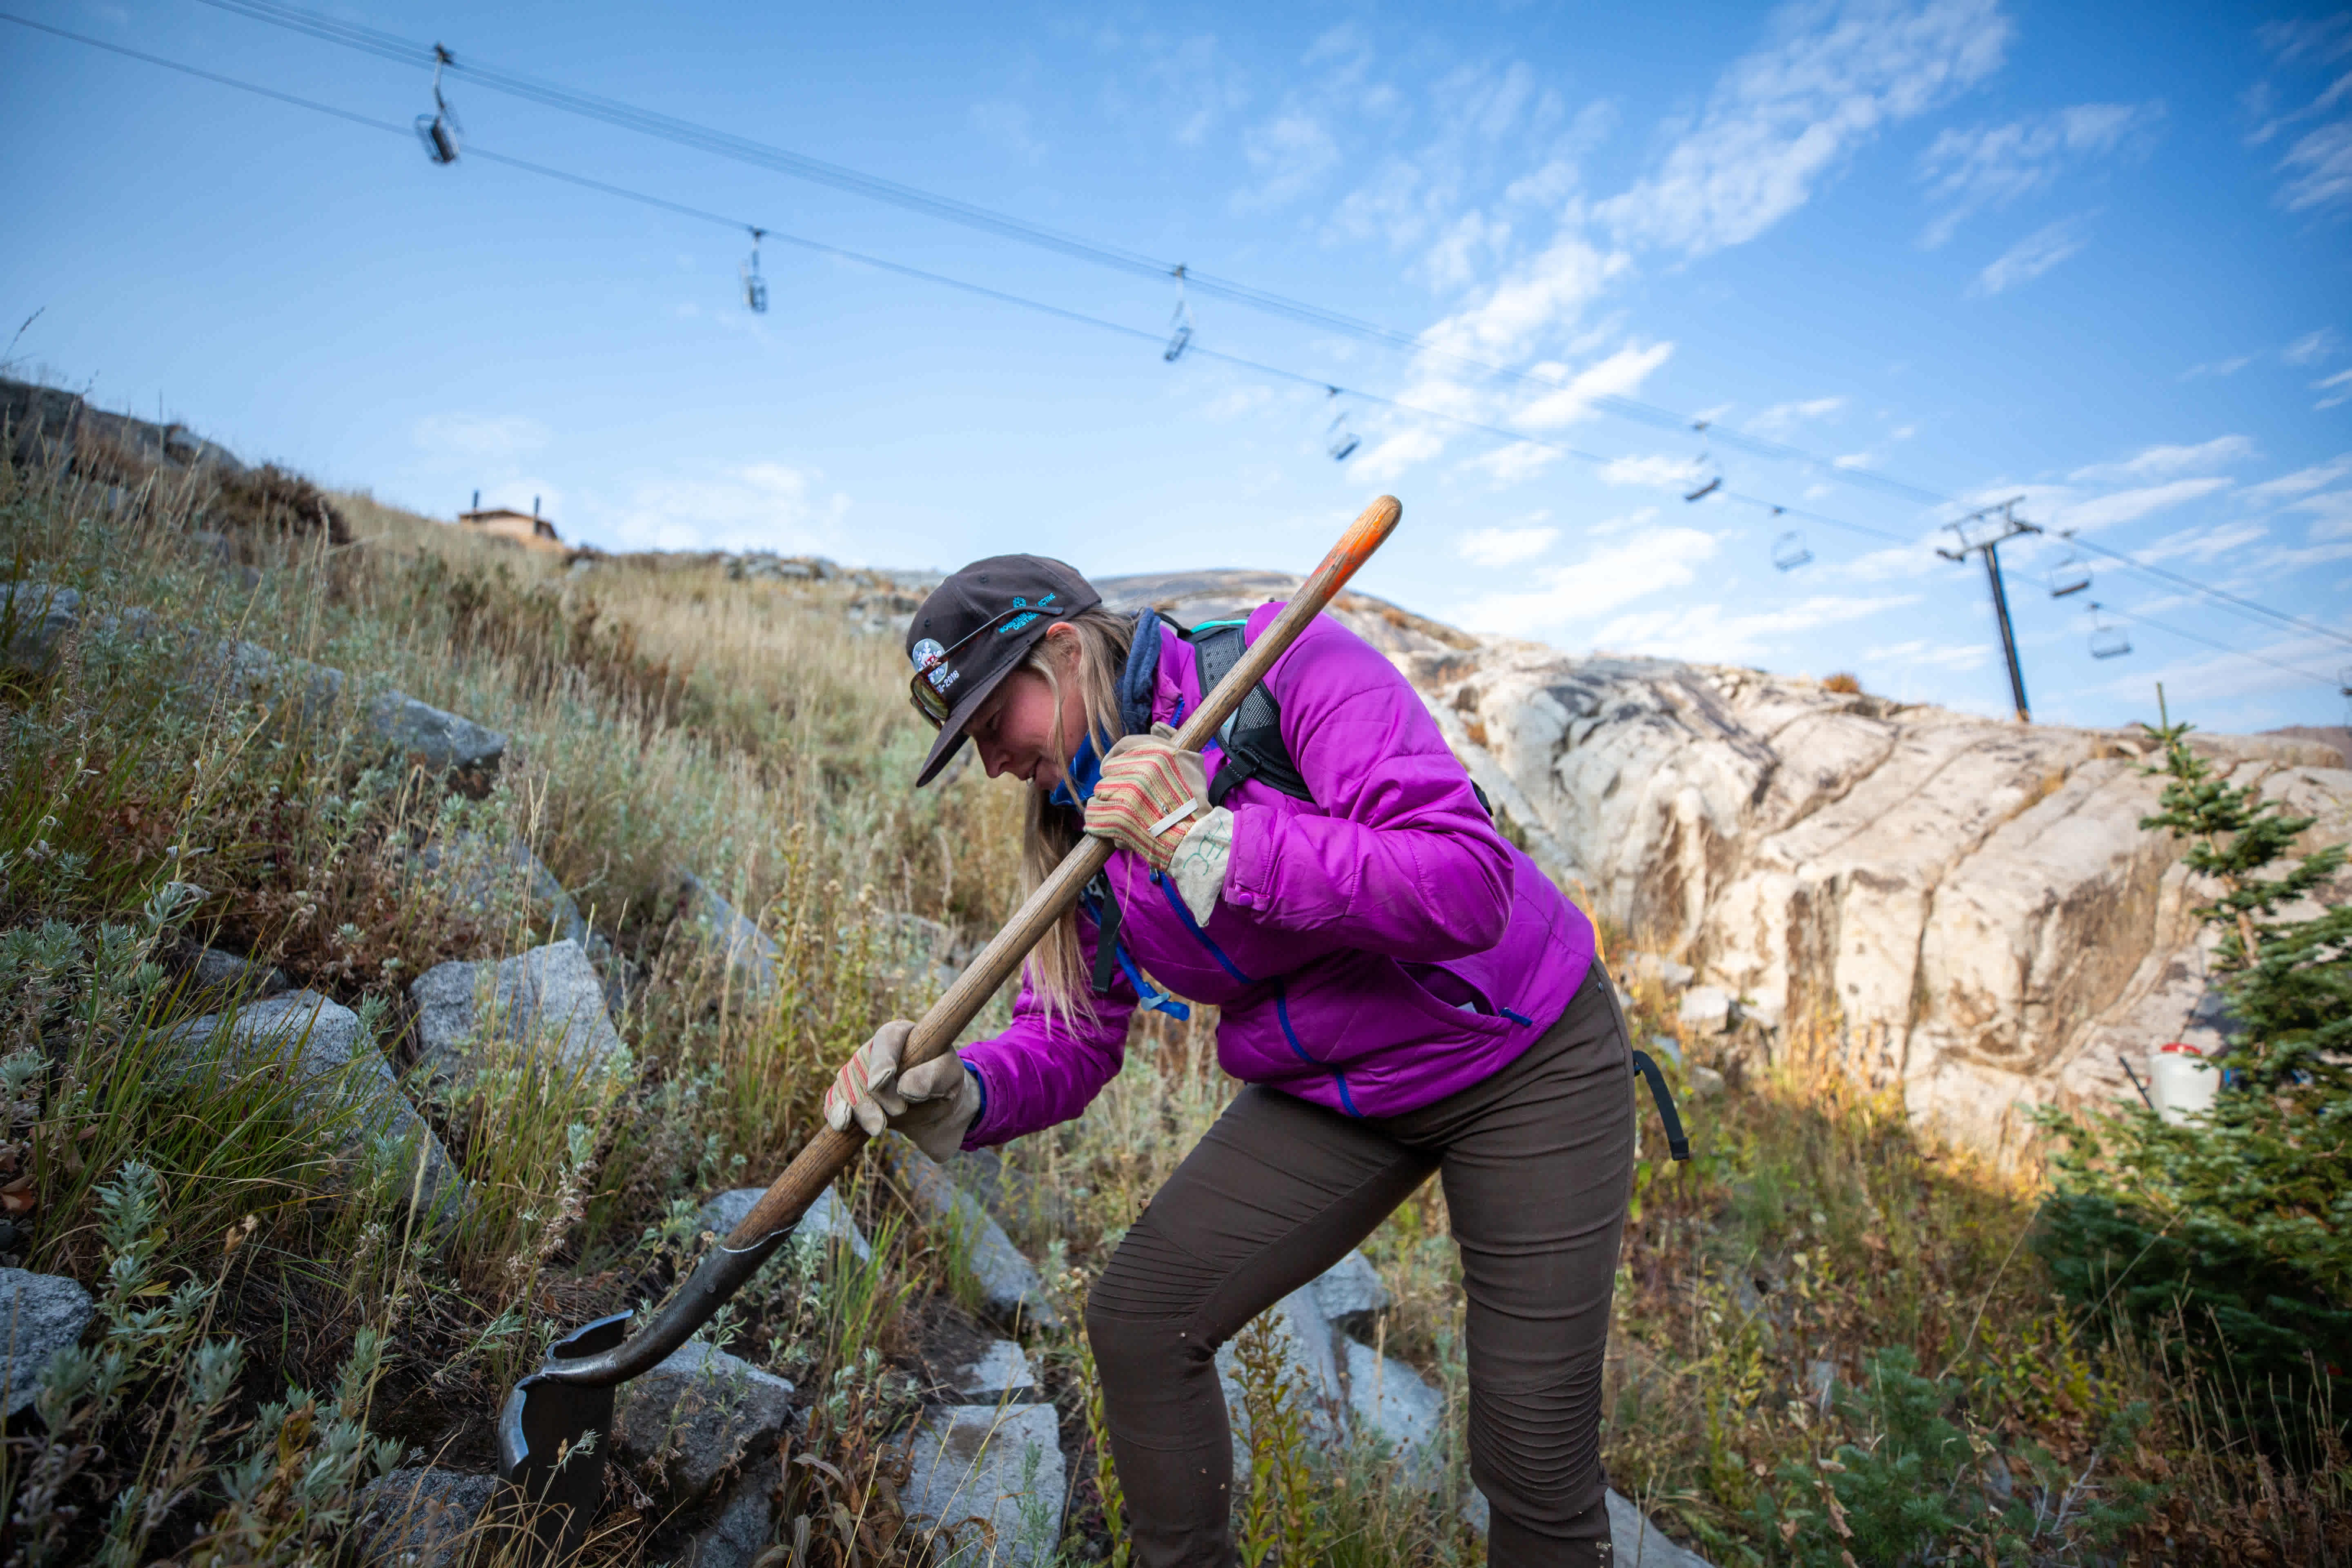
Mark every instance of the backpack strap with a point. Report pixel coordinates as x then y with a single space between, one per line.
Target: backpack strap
1677 1145
1252 738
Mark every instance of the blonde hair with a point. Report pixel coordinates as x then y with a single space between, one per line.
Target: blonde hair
1056 968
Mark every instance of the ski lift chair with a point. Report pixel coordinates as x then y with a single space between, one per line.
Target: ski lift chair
1338 439
2107 639
755 288
1788 552
438 129
2071 575
1180 325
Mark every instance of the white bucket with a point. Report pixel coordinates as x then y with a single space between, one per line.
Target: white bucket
2183 1081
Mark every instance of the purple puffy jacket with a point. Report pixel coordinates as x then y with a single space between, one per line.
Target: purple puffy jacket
1376 948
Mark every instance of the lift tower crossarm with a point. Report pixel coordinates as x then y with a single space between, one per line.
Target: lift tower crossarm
1982 533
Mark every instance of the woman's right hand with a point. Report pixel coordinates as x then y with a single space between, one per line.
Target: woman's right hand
933 1103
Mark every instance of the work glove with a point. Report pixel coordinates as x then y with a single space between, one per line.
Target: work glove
1147 793
934 1104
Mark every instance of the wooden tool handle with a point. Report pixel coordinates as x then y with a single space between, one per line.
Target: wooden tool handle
830 1152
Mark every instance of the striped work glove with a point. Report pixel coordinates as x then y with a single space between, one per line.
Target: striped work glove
934 1104
1148 795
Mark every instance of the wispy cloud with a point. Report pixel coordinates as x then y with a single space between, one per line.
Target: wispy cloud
2331 514
1505 546
1713 633
1609 576
1784 417
1657 471
2303 482
2318 165
1787 117
492 435
2156 462
2032 256
2310 348
1988 167
2338 388
758 506
1618 376
1917 655
2216 367
2203 543
2130 506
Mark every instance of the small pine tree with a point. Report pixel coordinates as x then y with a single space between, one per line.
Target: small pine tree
2231 1230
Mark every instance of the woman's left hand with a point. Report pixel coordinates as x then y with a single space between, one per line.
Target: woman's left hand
1149 794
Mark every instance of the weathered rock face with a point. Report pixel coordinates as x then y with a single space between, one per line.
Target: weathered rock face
420 1517
697 1416
40 1314
550 998
1010 1293
1970 906
322 1046
997 1464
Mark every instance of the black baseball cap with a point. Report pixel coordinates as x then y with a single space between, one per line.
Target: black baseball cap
974 630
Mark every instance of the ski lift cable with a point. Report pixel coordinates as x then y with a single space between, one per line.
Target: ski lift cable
392 46
2172 630
1041 306
704 215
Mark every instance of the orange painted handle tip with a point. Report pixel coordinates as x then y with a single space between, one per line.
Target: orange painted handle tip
1367 533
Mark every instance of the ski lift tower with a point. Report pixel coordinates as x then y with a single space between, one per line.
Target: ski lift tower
1983 532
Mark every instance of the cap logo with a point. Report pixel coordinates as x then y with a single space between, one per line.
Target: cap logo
927 653
1017 622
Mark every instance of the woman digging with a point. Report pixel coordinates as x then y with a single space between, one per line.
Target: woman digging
1400 989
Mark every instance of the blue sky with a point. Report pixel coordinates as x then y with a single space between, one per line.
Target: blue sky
2094 257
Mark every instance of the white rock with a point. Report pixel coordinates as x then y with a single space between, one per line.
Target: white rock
1634 1542
1304 1340
743 1529
1002 1371
547 1000
1705 1082
1665 970
1388 1399
749 955
1705 1010
1010 1293
696 1414
827 1217
1351 1293
997 1463
40 1314
422 1517
320 1044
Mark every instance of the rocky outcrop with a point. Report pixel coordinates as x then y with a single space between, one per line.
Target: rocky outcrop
1010 1291
1968 908
988 1481
36 619
422 1517
826 1219
40 1314
749 955
340 1074
547 999
697 1418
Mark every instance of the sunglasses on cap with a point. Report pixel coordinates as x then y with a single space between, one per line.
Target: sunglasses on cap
927 689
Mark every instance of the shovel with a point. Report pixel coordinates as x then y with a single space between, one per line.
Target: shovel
546 1455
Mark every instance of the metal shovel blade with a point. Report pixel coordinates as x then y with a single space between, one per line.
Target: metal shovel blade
543 1430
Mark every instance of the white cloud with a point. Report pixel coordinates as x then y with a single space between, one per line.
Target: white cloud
1620 374
2202 543
2216 367
1657 471
1896 561
1609 576
1394 454
2130 506
2303 482
2339 388
1786 117
2331 514
1505 546
2154 462
2320 166
2310 348
1961 656
1288 154
1518 461
1971 171
1783 417
758 506
1624 522
1711 634
2032 256
493 436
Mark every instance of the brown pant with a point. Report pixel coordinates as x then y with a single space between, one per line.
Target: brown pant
1537 1164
